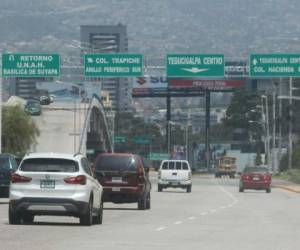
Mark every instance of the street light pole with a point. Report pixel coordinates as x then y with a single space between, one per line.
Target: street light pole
274 130
280 124
267 129
290 124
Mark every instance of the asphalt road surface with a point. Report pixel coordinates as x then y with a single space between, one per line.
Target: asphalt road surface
213 216
58 131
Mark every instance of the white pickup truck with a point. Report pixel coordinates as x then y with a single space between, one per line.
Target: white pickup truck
175 174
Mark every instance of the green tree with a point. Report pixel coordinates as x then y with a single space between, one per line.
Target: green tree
19 131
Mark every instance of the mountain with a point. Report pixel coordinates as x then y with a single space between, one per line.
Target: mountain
233 27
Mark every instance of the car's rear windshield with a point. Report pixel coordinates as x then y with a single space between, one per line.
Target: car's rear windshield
49 165
4 163
174 165
115 163
256 170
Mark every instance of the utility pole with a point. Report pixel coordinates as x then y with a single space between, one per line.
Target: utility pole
290 155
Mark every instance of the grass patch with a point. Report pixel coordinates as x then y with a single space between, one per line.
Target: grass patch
289 175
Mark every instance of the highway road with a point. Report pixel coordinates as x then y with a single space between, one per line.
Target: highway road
213 216
57 130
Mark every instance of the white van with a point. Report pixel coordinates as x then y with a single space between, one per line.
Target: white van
175 174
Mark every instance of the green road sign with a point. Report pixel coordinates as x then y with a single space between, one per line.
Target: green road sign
141 140
113 65
158 156
189 65
275 65
120 139
30 65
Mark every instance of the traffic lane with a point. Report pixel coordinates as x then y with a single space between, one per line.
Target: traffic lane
123 225
257 221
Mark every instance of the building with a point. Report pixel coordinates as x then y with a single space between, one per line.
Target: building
109 39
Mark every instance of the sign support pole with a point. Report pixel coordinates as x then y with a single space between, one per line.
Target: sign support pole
207 128
168 139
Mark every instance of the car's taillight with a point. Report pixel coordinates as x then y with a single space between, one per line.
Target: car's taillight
190 175
267 177
16 178
77 180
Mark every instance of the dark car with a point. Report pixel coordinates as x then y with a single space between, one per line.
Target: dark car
33 107
124 179
257 178
45 100
8 165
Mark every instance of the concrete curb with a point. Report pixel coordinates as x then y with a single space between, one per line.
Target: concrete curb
291 189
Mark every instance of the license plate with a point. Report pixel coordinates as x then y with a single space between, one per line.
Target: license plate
256 178
116 189
47 184
116 179
174 183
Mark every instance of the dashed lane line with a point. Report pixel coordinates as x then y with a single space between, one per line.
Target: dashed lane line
178 222
160 229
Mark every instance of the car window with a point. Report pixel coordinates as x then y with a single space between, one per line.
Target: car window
171 165
115 163
178 165
164 165
256 170
49 165
4 163
185 166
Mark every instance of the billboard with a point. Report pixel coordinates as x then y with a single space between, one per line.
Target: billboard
149 85
207 84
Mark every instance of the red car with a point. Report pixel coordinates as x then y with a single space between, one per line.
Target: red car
124 178
257 178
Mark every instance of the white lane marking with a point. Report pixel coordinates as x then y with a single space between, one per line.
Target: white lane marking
222 207
213 210
204 213
160 228
230 205
178 222
192 218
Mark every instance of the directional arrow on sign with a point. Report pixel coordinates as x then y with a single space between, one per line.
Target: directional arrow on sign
194 70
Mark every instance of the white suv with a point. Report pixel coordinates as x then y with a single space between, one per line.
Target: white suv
55 184
176 174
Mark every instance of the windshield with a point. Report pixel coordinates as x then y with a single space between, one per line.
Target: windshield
4 163
33 104
49 165
115 163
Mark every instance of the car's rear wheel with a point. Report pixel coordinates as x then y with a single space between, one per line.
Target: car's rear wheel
87 218
14 218
268 190
241 189
28 218
142 203
232 176
98 219
159 188
148 202
189 189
